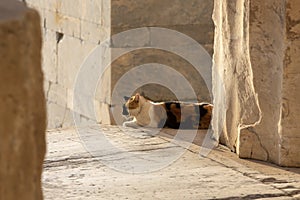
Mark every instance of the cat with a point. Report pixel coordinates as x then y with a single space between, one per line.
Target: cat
172 114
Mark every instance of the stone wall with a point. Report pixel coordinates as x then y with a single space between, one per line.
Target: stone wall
255 81
72 29
22 103
191 17
289 147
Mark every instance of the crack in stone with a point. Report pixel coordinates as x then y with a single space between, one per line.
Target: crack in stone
154 149
63 161
85 159
261 145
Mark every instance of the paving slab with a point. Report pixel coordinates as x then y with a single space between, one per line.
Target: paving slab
146 164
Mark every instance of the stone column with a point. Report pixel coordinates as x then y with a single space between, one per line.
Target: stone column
256 71
22 103
290 126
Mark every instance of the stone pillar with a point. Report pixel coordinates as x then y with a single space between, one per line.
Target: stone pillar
249 62
290 126
22 103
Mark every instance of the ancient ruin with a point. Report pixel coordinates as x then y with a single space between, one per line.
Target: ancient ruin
254 82
254 75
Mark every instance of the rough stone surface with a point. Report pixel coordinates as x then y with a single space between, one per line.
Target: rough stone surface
71 30
22 107
255 85
289 147
70 172
191 17
126 63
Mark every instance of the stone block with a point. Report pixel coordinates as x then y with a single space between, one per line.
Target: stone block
202 33
127 62
84 105
62 23
71 55
60 117
69 8
261 99
249 146
106 14
131 38
70 98
22 103
49 54
92 11
92 32
55 115
103 112
289 151
68 120
57 94
192 18
50 5
291 104
103 88
131 13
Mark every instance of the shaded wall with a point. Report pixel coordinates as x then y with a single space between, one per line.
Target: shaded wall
191 17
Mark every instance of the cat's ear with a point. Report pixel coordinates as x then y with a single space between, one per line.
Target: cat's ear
137 97
126 98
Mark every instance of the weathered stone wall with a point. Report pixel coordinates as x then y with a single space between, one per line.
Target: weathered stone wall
191 17
290 126
252 88
71 30
22 105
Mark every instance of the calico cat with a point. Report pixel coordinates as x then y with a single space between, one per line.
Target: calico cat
171 114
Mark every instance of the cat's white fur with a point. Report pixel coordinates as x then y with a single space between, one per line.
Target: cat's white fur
147 114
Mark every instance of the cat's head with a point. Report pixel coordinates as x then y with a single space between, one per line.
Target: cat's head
132 105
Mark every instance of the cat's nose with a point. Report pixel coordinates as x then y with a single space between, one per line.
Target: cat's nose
125 111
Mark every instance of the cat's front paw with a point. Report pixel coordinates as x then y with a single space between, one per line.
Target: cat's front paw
131 124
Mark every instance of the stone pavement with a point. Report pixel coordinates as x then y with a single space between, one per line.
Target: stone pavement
149 165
